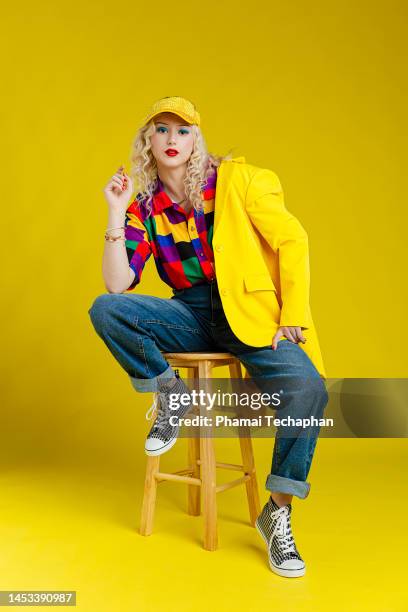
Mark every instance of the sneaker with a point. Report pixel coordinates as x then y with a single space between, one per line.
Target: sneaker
274 526
163 435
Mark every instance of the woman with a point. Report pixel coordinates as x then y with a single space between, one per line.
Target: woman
173 216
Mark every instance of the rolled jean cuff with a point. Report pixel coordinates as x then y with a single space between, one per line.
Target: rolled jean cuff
146 385
279 484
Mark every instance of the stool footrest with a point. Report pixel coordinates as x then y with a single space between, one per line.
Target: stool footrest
179 477
227 466
160 476
232 483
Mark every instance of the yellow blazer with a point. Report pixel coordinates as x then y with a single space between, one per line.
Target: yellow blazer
261 258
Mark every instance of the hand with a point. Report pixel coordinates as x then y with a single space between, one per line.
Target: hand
293 334
118 190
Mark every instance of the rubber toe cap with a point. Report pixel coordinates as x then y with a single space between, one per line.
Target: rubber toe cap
153 444
292 564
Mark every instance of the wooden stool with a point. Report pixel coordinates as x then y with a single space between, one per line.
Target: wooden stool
201 456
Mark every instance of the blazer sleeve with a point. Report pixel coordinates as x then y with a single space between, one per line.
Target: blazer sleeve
137 244
266 209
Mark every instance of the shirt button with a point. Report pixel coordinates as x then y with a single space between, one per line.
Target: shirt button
192 228
201 254
224 291
219 247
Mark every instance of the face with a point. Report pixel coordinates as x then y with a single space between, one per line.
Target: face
171 132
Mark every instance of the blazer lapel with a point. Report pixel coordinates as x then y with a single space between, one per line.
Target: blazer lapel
224 180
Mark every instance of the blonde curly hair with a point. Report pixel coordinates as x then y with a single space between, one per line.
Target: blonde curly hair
143 169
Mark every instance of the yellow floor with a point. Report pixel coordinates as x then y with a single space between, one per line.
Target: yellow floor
74 526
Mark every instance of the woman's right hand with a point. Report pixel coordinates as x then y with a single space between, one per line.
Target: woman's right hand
118 191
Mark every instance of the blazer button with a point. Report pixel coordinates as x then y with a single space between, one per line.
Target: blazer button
219 247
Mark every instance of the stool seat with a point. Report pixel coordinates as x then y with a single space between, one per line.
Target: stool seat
193 356
200 475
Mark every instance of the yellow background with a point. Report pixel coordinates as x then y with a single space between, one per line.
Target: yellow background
315 92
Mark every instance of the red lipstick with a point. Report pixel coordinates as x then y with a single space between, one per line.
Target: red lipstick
171 152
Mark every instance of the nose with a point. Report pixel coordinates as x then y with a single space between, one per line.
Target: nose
171 136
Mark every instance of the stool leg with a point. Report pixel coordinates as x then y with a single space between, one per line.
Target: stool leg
248 461
149 496
251 484
193 492
208 475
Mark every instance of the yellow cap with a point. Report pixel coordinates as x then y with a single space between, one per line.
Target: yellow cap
174 104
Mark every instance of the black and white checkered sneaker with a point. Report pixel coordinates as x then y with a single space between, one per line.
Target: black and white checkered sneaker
163 435
274 526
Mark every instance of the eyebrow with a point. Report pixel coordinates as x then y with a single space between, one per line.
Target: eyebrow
178 124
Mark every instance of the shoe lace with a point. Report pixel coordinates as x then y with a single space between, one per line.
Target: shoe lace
282 530
157 410
153 408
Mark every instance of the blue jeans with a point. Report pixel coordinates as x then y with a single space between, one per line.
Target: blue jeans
138 328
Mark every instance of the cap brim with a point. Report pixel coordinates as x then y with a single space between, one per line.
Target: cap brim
170 110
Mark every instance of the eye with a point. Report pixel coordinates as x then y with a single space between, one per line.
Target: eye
161 127
184 131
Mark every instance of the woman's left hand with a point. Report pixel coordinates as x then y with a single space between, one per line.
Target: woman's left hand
293 334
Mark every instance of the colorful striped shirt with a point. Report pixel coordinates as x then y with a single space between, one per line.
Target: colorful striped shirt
180 241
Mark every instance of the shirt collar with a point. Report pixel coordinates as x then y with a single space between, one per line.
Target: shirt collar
162 200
